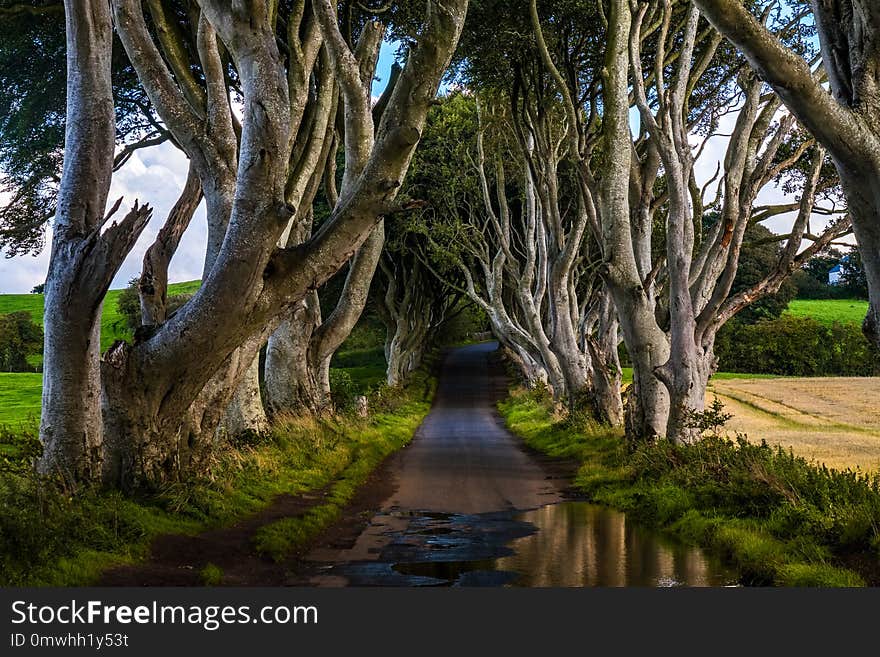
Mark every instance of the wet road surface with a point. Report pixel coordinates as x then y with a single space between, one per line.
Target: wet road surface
471 508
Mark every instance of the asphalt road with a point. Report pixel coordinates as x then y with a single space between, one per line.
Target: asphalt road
462 460
457 488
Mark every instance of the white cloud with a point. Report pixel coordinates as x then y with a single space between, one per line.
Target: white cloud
153 175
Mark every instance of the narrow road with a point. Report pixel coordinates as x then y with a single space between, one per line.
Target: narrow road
462 460
457 488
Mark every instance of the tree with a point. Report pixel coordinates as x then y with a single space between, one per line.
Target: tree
32 117
20 337
671 281
845 121
852 274
759 256
163 396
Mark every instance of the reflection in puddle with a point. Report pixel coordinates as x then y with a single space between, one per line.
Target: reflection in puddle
569 544
580 544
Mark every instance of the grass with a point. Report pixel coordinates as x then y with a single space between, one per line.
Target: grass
20 399
718 376
828 311
777 517
112 322
48 538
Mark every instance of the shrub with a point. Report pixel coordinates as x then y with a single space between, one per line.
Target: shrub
796 346
342 390
128 304
20 337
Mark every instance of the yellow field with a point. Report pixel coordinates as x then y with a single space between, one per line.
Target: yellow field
835 421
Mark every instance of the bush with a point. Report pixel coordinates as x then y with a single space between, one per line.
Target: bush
20 337
128 304
796 346
342 390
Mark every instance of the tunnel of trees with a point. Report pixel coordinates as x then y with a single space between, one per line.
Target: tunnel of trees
554 188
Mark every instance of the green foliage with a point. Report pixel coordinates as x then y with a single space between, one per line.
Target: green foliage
128 305
796 346
20 337
779 518
32 116
211 575
852 274
757 259
342 390
18 449
711 419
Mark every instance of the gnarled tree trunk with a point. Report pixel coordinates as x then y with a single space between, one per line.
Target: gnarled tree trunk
84 260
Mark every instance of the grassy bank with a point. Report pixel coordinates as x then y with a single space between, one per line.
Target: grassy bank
779 519
47 538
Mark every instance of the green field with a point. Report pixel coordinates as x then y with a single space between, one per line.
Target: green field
20 393
20 399
845 311
112 323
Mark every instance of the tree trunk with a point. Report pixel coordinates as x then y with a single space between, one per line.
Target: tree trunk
153 283
84 259
292 382
405 346
607 375
246 412
863 199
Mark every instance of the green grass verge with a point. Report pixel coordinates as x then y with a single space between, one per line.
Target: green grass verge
779 519
828 311
47 538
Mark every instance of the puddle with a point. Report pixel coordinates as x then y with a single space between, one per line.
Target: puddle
571 544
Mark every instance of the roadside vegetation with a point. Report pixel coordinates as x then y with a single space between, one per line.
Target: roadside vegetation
777 517
50 538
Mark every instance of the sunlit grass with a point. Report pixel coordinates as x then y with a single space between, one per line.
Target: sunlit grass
829 311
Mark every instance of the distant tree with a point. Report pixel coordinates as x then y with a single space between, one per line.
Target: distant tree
812 279
20 337
38 289
759 257
852 275
128 304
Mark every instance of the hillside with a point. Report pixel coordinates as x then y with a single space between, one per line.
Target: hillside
844 311
112 323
